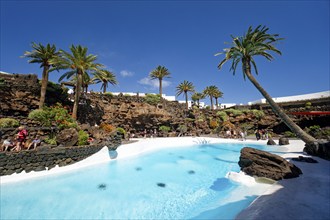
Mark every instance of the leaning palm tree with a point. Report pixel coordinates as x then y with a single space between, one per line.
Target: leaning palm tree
105 77
210 91
46 56
257 42
79 63
185 87
196 97
159 73
217 94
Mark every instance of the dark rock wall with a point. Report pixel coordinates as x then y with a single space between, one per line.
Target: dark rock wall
45 157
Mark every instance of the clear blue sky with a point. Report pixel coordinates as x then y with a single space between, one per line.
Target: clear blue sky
133 37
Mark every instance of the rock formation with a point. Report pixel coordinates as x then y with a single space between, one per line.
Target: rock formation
263 164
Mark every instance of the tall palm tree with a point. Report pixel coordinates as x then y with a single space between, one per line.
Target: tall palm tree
46 56
257 42
197 96
185 87
79 63
159 73
217 94
210 91
105 77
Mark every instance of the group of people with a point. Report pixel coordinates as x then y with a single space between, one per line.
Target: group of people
236 134
261 134
20 142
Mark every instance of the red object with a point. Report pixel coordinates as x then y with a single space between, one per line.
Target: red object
311 113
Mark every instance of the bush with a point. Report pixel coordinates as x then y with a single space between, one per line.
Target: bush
8 123
308 105
289 134
235 112
56 115
258 113
182 128
223 115
108 94
50 140
107 127
164 128
213 124
42 116
152 99
82 138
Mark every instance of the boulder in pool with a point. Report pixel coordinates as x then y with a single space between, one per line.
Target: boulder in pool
258 163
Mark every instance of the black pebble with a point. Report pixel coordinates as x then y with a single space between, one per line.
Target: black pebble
191 172
161 184
102 186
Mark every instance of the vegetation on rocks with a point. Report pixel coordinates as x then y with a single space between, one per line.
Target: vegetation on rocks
8 123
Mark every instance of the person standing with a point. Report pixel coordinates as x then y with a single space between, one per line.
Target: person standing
21 138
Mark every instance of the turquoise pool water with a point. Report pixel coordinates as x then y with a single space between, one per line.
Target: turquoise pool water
175 183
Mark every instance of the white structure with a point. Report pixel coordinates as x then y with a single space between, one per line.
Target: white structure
316 95
168 98
226 105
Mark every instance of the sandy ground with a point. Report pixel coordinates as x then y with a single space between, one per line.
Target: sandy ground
305 197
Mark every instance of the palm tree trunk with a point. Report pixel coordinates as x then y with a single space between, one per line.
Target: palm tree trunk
44 82
160 88
198 102
186 95
104 87
216 103
277 110
77 95
211 102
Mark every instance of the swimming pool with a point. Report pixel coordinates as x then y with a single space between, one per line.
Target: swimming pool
174 183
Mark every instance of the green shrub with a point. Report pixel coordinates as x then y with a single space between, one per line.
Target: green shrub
50 140
108 94
235 112
223 115
8 123
164 128
289 134
42 116
308 105
121 130
82 138
258 113
182 128
213 124
152 99
56 115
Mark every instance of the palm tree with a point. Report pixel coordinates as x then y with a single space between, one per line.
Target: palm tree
46 56
197 96
185 87
217 94
210 91
105 77
258 42
78 63
159 73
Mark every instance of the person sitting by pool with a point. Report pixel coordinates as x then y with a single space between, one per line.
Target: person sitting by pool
21 138
36 141
6 144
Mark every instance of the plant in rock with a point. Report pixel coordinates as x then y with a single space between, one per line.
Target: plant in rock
258 42
107 127
152 99
213 124
234 112
55 115
50 140
259 114
223 115
82 138
164 128
121 132
8 123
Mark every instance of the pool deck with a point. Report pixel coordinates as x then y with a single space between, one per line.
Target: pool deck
305 197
